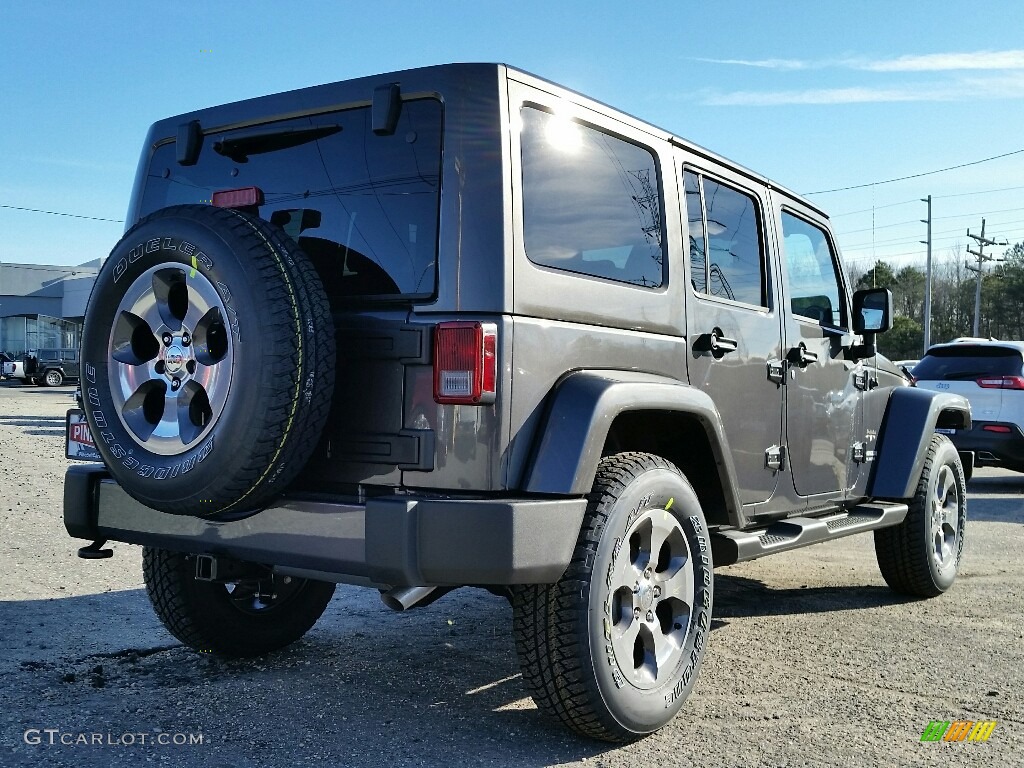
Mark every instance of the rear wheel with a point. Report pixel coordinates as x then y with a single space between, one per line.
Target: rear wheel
53 378
921 555
613 649
248 617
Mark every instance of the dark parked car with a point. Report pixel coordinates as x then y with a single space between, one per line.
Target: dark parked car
52 367
461 326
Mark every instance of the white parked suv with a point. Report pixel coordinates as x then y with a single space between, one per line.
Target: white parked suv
990 374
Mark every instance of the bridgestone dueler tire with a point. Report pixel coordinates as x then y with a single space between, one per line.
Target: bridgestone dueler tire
563 632
204 616
269 361
914 557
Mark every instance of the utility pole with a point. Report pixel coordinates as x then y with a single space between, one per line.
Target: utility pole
928 278
982 258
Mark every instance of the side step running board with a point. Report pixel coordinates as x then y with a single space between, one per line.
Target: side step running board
730 547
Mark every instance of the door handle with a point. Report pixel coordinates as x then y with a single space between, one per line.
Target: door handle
716 342
800 355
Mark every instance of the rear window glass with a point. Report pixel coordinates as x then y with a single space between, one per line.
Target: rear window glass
591 201
966 362
363 206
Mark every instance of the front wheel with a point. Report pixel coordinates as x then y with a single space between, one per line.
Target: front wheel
53 378
248 617
921 555
613 648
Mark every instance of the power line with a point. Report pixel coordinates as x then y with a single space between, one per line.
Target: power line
916 175
61 213
934 197
908 239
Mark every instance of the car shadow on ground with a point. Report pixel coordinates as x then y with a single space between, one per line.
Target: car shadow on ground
438 685
742 597
434 686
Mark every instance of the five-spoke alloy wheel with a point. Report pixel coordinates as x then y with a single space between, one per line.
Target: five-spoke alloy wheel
207 361
247 617
921 555
613 649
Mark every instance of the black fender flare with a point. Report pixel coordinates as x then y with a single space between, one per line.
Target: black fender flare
582 408
911 418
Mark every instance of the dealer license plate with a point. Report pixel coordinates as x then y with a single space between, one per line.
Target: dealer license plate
78 442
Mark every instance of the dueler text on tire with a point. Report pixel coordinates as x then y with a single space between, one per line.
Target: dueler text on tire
244 618
207 361
613 649
921 555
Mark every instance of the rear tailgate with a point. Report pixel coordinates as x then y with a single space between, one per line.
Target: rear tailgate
987 375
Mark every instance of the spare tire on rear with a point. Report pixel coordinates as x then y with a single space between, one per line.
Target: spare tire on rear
207 361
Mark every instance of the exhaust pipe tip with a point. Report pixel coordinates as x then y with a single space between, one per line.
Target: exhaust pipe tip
404 598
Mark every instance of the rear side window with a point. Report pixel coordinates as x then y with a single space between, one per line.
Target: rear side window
363 206
726 255
591 201
965 362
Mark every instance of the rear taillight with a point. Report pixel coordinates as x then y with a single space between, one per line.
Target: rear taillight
465 363
998 428
1001 382
243 197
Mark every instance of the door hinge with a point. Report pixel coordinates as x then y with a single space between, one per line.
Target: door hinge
777 371
775 458
864 380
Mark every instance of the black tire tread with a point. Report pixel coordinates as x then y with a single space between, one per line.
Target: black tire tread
170 585
546 616
898 549
298 322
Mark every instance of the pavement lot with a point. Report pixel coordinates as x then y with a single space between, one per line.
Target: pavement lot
812 661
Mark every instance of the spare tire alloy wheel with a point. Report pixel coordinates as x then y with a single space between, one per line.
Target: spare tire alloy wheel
207 361
614 648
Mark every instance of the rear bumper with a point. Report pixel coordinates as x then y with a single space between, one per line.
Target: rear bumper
992 448
387 542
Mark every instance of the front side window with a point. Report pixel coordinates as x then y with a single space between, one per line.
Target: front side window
591 201
814 284
726 252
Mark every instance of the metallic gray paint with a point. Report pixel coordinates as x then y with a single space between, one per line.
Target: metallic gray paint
582 410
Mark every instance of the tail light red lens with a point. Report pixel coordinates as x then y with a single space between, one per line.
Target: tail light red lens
1001 382
999 428
465 363
244 197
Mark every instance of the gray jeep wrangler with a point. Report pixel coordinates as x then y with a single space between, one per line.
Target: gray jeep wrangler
460 326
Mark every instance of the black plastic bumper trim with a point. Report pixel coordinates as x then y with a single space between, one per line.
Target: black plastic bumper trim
389 541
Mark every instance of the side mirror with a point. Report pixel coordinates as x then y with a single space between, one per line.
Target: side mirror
872 313
872 310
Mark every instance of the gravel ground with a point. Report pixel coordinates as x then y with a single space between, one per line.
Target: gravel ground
812 661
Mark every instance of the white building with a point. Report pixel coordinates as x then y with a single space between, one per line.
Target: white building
43 306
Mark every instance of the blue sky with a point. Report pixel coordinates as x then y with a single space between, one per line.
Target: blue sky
816 95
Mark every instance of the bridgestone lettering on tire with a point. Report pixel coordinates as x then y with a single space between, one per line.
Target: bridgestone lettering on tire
921 556
207 361
245 618
613 649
